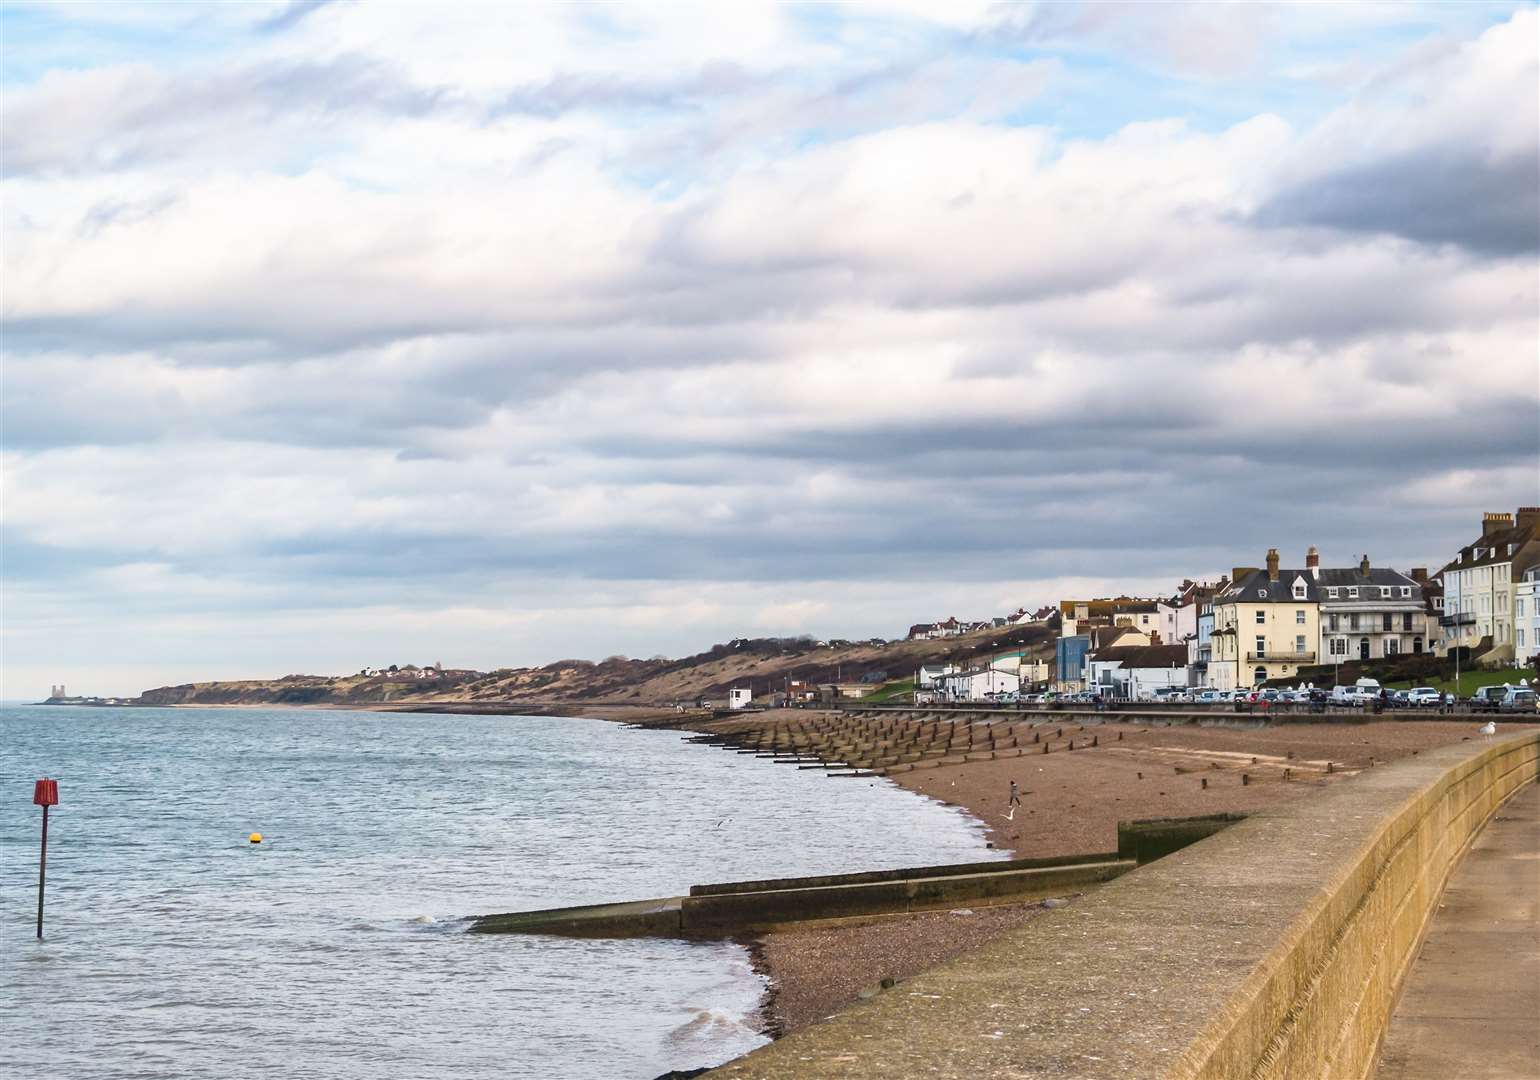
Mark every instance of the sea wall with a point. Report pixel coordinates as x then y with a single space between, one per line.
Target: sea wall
1274 948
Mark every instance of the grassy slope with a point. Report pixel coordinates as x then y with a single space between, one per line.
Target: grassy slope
1471 681
762 665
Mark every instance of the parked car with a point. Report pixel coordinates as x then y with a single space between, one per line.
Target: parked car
1489 698
1519 699
1423 697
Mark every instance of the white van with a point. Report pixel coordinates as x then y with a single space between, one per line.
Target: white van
1364 690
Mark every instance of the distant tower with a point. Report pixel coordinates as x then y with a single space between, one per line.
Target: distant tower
57 691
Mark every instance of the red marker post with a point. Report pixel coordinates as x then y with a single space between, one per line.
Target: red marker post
45 793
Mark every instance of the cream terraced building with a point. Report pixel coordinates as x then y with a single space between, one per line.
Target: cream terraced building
1266 626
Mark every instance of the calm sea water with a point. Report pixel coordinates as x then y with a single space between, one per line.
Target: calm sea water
337 948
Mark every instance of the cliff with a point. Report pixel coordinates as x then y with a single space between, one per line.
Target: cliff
764 664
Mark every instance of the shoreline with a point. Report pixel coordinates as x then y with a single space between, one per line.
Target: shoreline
1071 803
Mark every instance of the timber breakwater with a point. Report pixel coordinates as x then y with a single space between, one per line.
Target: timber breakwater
1275 949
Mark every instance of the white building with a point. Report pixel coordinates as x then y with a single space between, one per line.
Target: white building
1526 617
1368 613
1135 672
929 676
739 697
978 684
1480 584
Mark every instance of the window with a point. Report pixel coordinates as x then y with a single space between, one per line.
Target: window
1519 637
1385 622
1144 620
1299 590
1502 599
1392 646
1261 616
1336 622
1352 592
1262 593
1353 621
1261 645
1384 592
1299 617
1259 675
1518 607
1339 646
1406 592
1299 643
1331 592
1406 620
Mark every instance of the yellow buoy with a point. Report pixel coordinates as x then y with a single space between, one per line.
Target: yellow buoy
255 838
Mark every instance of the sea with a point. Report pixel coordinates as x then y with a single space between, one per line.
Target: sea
337 948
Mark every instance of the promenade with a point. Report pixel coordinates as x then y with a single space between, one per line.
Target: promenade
1472 998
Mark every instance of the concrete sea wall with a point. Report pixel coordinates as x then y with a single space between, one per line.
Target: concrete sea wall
1272 949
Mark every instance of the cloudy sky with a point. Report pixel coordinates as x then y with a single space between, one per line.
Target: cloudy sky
341 334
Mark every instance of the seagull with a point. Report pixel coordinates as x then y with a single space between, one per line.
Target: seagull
1488 728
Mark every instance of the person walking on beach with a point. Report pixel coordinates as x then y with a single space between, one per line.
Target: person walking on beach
1015 795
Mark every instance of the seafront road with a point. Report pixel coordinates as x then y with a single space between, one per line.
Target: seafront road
1471 1004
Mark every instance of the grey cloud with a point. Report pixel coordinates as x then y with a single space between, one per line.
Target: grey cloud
1435 195
145 118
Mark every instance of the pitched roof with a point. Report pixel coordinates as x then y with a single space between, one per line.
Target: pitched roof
1105 635
1494 548
1254 588
1144 656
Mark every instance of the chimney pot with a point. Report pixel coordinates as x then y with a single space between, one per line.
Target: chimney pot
1272 564
1495 522
1312 558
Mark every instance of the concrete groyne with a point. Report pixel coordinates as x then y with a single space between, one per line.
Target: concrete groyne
732 908
1273 949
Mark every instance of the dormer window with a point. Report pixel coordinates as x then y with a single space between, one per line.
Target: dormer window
1406 591
1384 592
1262 593
1331 592
1299 590
1352 592
1476 554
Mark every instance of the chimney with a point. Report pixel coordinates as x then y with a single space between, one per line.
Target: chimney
1419 574
1272 564
1529 517
1363 565
1312 558
1491 523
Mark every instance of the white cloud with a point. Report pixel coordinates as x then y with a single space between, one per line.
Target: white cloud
828 339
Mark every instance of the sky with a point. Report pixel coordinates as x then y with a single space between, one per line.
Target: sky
346 334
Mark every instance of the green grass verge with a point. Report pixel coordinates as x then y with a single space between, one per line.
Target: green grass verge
1471 681
888 691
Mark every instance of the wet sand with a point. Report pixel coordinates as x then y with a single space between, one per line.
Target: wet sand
1071 804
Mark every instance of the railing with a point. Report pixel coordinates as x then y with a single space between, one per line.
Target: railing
1277 657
